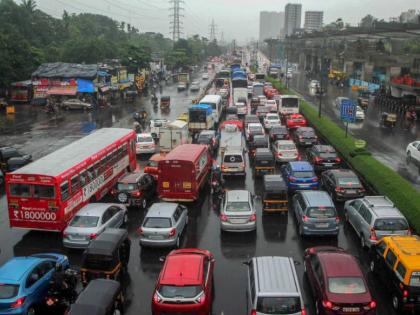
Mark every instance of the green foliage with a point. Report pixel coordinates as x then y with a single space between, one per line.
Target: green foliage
380 177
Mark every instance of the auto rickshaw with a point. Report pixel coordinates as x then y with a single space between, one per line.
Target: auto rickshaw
255 102
264 162
106 257
388 119
100 297
165 102
274 194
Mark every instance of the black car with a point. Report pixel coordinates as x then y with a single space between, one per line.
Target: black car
323 157
258 141
251 119
305 136
7 153
135 189
209 137
342 184
279 132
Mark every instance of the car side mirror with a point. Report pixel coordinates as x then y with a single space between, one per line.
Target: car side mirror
246 263
162 258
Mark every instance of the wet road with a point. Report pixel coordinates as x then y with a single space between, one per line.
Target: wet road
276 234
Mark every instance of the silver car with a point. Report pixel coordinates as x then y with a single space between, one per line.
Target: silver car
75 103
237 213
92 220
315 213
374 217
163 225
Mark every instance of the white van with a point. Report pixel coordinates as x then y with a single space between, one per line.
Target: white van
216 104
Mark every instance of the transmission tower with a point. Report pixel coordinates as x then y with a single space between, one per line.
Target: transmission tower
176 23
212 31
222 38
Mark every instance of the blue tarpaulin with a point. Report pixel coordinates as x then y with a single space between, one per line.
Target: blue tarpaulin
85 86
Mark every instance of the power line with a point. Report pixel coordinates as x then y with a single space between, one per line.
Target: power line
176 23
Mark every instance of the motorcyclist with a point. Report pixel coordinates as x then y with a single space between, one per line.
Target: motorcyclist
64 282
217 180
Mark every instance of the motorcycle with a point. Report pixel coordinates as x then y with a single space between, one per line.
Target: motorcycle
58 298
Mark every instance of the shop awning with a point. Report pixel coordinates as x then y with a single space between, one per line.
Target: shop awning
85 86
62 91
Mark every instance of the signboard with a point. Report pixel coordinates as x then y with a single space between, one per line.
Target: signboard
348 110
360 144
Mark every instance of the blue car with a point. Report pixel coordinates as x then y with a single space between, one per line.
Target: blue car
299 176
24 282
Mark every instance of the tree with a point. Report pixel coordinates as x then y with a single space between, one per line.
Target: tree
29 5
368 21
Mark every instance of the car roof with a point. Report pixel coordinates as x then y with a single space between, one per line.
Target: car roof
317 198
14 270
207 132
301 166
157 157
237 195
282 142
162 209
305 129
324 148
408 249
182 269
130 178
94 209
339 264
382 212
342 173
272 114
254 125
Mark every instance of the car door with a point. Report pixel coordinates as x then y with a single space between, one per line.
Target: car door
415 152
327 181
388 271
315 276
176 221
106 220
297 207
46 269
353 211
37 282
364 221
117 217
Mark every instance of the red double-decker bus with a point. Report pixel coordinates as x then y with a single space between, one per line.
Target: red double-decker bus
45 194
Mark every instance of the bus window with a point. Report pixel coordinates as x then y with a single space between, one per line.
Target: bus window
120 153
19 190
124 149
75 184
96 169
90 174
64 188
44 191
83 178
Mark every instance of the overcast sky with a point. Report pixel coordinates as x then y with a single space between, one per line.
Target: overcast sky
237 19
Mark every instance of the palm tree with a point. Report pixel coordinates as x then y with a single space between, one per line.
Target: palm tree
29 5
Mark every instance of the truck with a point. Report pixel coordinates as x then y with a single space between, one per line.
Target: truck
200 117
183 81
173 135
274 71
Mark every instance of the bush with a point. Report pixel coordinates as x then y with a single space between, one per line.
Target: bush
380 177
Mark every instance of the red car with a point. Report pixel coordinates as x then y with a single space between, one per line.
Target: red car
337 283
270 93
294 121
185 283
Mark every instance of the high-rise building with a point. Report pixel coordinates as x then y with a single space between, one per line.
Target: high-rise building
410 16
292 18
271 24
313 20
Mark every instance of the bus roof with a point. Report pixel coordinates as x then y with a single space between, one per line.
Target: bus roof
211 98
76 152
289 96
185 152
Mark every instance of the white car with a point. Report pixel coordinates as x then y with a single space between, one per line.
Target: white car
195 86
205 76
285 151
145 144
75 103
156 124
360 113
182 86
271 120
262 99
413 152
314 84
272 105
254 129
242 108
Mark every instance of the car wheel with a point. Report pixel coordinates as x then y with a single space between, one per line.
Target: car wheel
125 219
362 241
30 311
396 303
408 157
372 266
144 203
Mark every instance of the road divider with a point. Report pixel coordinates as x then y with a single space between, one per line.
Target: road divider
380 177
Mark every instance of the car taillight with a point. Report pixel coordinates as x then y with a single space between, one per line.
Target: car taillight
140 231
136 193
330 305
223 218
93 236
405 293
338 160
252 217
201 299
300 137
223 166
318 159
65 234
172 232
279 154
305 218
292 179
337 219
339 189
373 236
18 303
303 312
253 312
370 306
156 298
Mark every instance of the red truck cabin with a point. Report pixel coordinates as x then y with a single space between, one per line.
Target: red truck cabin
45 194
183 172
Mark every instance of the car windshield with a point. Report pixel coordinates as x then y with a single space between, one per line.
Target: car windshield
321 212
279 305
144 139
289 102
391 224
233 158
287 147
44 191
308 133
8 291
19 190
186 291
238 206
126 187
348 181
304 174
152 163
415 279
255 128
346 285
155 223
84 221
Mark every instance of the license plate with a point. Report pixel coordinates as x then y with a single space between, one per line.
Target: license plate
304 185
78 237
350 309
350 191
237 221
328 164
321 225
156 237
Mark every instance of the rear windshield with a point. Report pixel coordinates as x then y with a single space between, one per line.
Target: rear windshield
187 291
155 223
238 207
415 279
233 158
346 285
277 130
272 118
321 213
289 102
255 128
287 147
8 291
328 155
84 221
389 224
348 181
308 133
279 305
44 191
304 174
126 187
144 139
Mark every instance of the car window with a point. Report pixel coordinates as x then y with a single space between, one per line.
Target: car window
365 213
114 210
381 247
206 267
8 291
391 258
177 214
84 221
106 216
356 204
401 271
46 267
233 158
161 223
64 188
415 279
346 285
33 277
19 190
321 212
391 224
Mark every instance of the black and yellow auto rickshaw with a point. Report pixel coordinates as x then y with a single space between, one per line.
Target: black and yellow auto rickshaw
264 162
274 197
165 102
100 297
388 119
106 257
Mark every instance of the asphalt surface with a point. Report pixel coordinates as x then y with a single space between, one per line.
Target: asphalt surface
276 234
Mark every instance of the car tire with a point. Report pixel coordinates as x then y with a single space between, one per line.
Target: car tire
363 241
31 311
144 203
372 266
396 303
